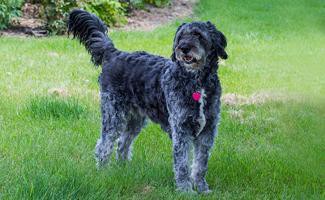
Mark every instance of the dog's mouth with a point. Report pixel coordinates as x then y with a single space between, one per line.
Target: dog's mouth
189 59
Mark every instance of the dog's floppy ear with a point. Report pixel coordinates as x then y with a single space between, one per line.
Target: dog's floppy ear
176 38
219 41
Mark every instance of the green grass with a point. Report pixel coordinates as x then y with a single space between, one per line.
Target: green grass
276 151
53 107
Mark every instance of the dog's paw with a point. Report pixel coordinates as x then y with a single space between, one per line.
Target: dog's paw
206 192
186 190
185 187
100 163
202 187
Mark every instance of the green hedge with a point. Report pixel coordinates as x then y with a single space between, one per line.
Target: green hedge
8 10
112 12
142 3
55 12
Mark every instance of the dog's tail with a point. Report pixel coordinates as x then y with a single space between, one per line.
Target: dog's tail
91 32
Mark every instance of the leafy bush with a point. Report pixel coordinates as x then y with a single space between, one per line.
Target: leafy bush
158 3
56 12
141 3
8 10
112 12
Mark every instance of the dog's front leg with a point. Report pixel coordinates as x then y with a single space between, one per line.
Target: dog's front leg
202 145
181 145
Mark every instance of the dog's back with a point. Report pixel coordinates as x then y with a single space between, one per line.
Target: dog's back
135 77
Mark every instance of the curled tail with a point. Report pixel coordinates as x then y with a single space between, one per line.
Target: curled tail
91 32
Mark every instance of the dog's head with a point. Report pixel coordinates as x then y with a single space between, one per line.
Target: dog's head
197 42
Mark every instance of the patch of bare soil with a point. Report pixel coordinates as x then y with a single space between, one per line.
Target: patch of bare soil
152 17
147 189
232 99
235 101
58 92
30 23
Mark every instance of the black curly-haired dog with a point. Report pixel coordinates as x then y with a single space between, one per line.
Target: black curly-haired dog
181 94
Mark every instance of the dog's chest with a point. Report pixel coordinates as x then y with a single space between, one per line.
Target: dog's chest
201 99
196 108
191 100
190 103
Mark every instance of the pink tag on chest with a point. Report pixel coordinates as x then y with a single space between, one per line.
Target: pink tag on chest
196 96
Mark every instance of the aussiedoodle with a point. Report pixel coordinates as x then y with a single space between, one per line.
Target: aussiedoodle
182 94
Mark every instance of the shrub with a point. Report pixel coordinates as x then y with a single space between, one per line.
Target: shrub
158 3
8 10
56 12
141 3
112 12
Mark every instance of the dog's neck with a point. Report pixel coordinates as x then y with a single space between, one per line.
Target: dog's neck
201 75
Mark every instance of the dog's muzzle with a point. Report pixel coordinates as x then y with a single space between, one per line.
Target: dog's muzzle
189 59
190 56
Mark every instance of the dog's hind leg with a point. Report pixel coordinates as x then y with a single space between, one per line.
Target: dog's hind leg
124 145
113 124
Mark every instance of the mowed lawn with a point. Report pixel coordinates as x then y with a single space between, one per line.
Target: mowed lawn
267 149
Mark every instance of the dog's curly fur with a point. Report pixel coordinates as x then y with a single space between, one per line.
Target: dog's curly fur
136 86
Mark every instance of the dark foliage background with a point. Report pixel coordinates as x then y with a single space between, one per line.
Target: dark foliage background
54 12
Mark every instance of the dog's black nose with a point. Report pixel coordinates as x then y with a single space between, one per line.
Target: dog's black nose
185 49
